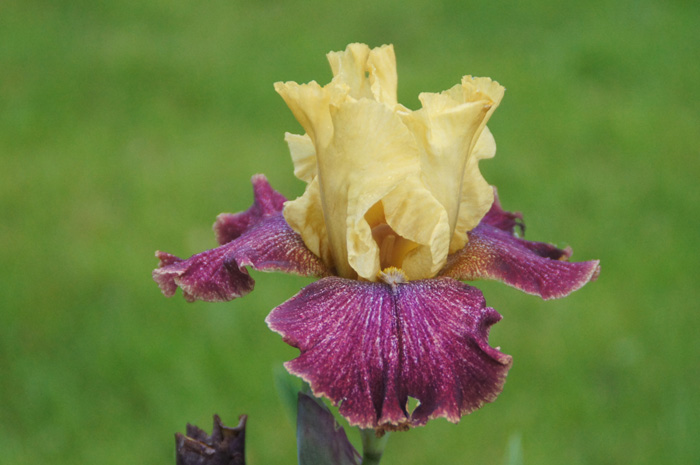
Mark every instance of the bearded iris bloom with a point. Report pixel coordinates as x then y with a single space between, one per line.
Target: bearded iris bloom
394 217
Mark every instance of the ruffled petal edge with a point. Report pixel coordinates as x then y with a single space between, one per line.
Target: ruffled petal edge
371 346
258 238
266 202
495 252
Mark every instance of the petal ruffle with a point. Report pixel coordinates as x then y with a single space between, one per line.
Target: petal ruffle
367 73
371 346
494 252
266 202
303 155
259 238
449 127
367 137
366 153
501 219
305 216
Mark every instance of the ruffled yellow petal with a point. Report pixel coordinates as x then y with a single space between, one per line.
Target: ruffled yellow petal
416 215
449 128
388 187
305 216
310 103
303 155
374 157
485 146
446 129
367 73
349 67
381 68
476 195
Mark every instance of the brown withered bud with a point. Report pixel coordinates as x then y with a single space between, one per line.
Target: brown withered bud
225 446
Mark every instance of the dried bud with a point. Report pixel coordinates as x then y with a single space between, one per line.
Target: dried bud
225 446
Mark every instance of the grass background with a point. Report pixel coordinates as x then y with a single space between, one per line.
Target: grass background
126 127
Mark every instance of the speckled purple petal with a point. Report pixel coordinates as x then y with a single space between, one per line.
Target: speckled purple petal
267 202
259 238
204 276
501 219
371 346
219 274
494 252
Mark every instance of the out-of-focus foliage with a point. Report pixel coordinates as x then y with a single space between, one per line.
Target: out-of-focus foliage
127 126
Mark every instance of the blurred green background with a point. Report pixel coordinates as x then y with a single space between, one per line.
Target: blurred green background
127 126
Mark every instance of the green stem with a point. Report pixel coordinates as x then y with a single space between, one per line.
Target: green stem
372 446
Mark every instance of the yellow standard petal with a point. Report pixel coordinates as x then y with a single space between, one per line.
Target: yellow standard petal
367 73
303 155
387 187
374 158
476 194
305 216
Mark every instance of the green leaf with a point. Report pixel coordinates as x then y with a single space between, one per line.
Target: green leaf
287 388
514 453
320 439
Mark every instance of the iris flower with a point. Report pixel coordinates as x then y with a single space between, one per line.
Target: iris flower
394 217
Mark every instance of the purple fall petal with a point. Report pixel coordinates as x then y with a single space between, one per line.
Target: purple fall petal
371 346
204 276
259 238
219 274
494 252
501 219
274 246
267 202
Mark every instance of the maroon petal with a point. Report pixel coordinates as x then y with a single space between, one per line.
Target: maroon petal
267 202
259 238
206 276
494 252
371 346
501 219
219 274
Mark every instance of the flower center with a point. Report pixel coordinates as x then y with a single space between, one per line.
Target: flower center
393 248
393 276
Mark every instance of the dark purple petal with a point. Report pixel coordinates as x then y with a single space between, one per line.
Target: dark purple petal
501 219
219 274
371 346
533 267
205 276
267 202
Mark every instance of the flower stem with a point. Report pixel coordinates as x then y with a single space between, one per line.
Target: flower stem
372 446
